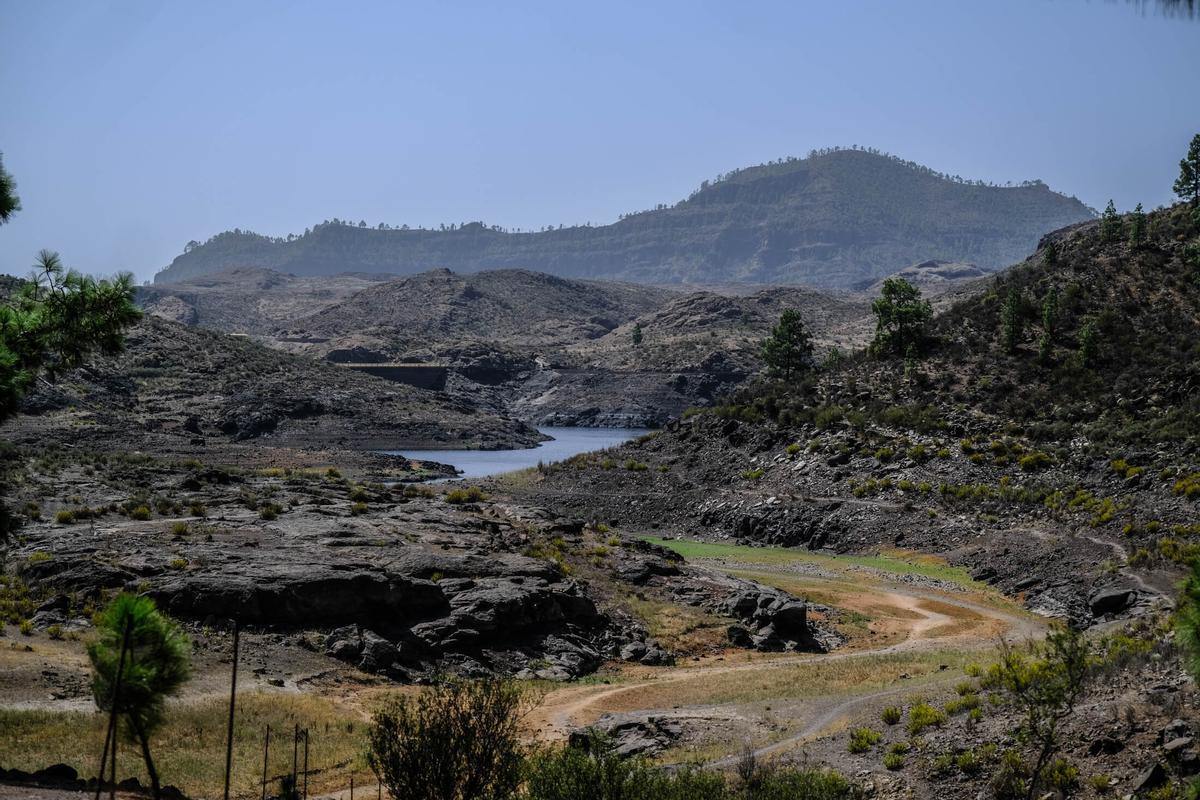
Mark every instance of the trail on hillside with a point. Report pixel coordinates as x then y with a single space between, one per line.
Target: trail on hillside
572 707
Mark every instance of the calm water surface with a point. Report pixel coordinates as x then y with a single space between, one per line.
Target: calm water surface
566 443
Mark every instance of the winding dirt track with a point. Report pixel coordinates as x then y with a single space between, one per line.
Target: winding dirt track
572 707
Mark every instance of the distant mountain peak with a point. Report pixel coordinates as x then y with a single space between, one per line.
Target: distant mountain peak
837 218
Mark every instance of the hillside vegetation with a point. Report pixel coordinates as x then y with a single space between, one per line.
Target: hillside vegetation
835 219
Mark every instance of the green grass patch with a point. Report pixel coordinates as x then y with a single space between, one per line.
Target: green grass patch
898 563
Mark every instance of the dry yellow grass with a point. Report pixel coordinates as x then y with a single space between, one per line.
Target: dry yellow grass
679 628
189 750
822 676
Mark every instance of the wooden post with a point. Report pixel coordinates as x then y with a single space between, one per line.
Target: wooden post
351 787
232 705
295 757
112 770
306 764
266 750
111 737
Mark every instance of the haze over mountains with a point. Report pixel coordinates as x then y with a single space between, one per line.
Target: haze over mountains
835 219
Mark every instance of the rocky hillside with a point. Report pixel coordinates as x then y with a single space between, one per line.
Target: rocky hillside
1066 472
183 390
255 301
834 219
529 310
557 351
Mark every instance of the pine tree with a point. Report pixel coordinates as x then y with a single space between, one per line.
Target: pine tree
1050 254
637 334
1045 347
1050 312
1110 223
1089 342
55 321
901 317
788 350
1187 185
157 664
1187 621
9 202
1010 320
1137 227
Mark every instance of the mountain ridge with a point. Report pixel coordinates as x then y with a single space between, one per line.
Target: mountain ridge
832 219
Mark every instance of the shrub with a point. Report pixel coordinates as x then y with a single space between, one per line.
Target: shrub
1123 468
358 509
1033 461
197 510
38 556
593 770
140 513
471 494
454 741
55 632
179 529
1061 776
1011 777
1188 486
1101 782
26 627
863 739
752 474
967 762
269 511
922 716
884 454
178 563
359 493
65 517
828 416
893 761
636 466
793 784
891 715
792 449
418 491
965 703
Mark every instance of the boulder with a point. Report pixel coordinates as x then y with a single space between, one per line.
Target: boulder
633 651
631 734
378 654
1151 778
790 618
344 643
1111 600
56 775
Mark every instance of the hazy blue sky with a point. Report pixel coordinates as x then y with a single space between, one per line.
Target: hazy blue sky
132 127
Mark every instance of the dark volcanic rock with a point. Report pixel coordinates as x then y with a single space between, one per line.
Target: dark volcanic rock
1111 600
632 734
300 594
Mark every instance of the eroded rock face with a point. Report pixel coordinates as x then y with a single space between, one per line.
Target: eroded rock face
421 587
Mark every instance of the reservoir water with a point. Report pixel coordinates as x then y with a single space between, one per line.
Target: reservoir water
566 443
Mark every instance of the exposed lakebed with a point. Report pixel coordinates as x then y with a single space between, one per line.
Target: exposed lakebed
565 442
